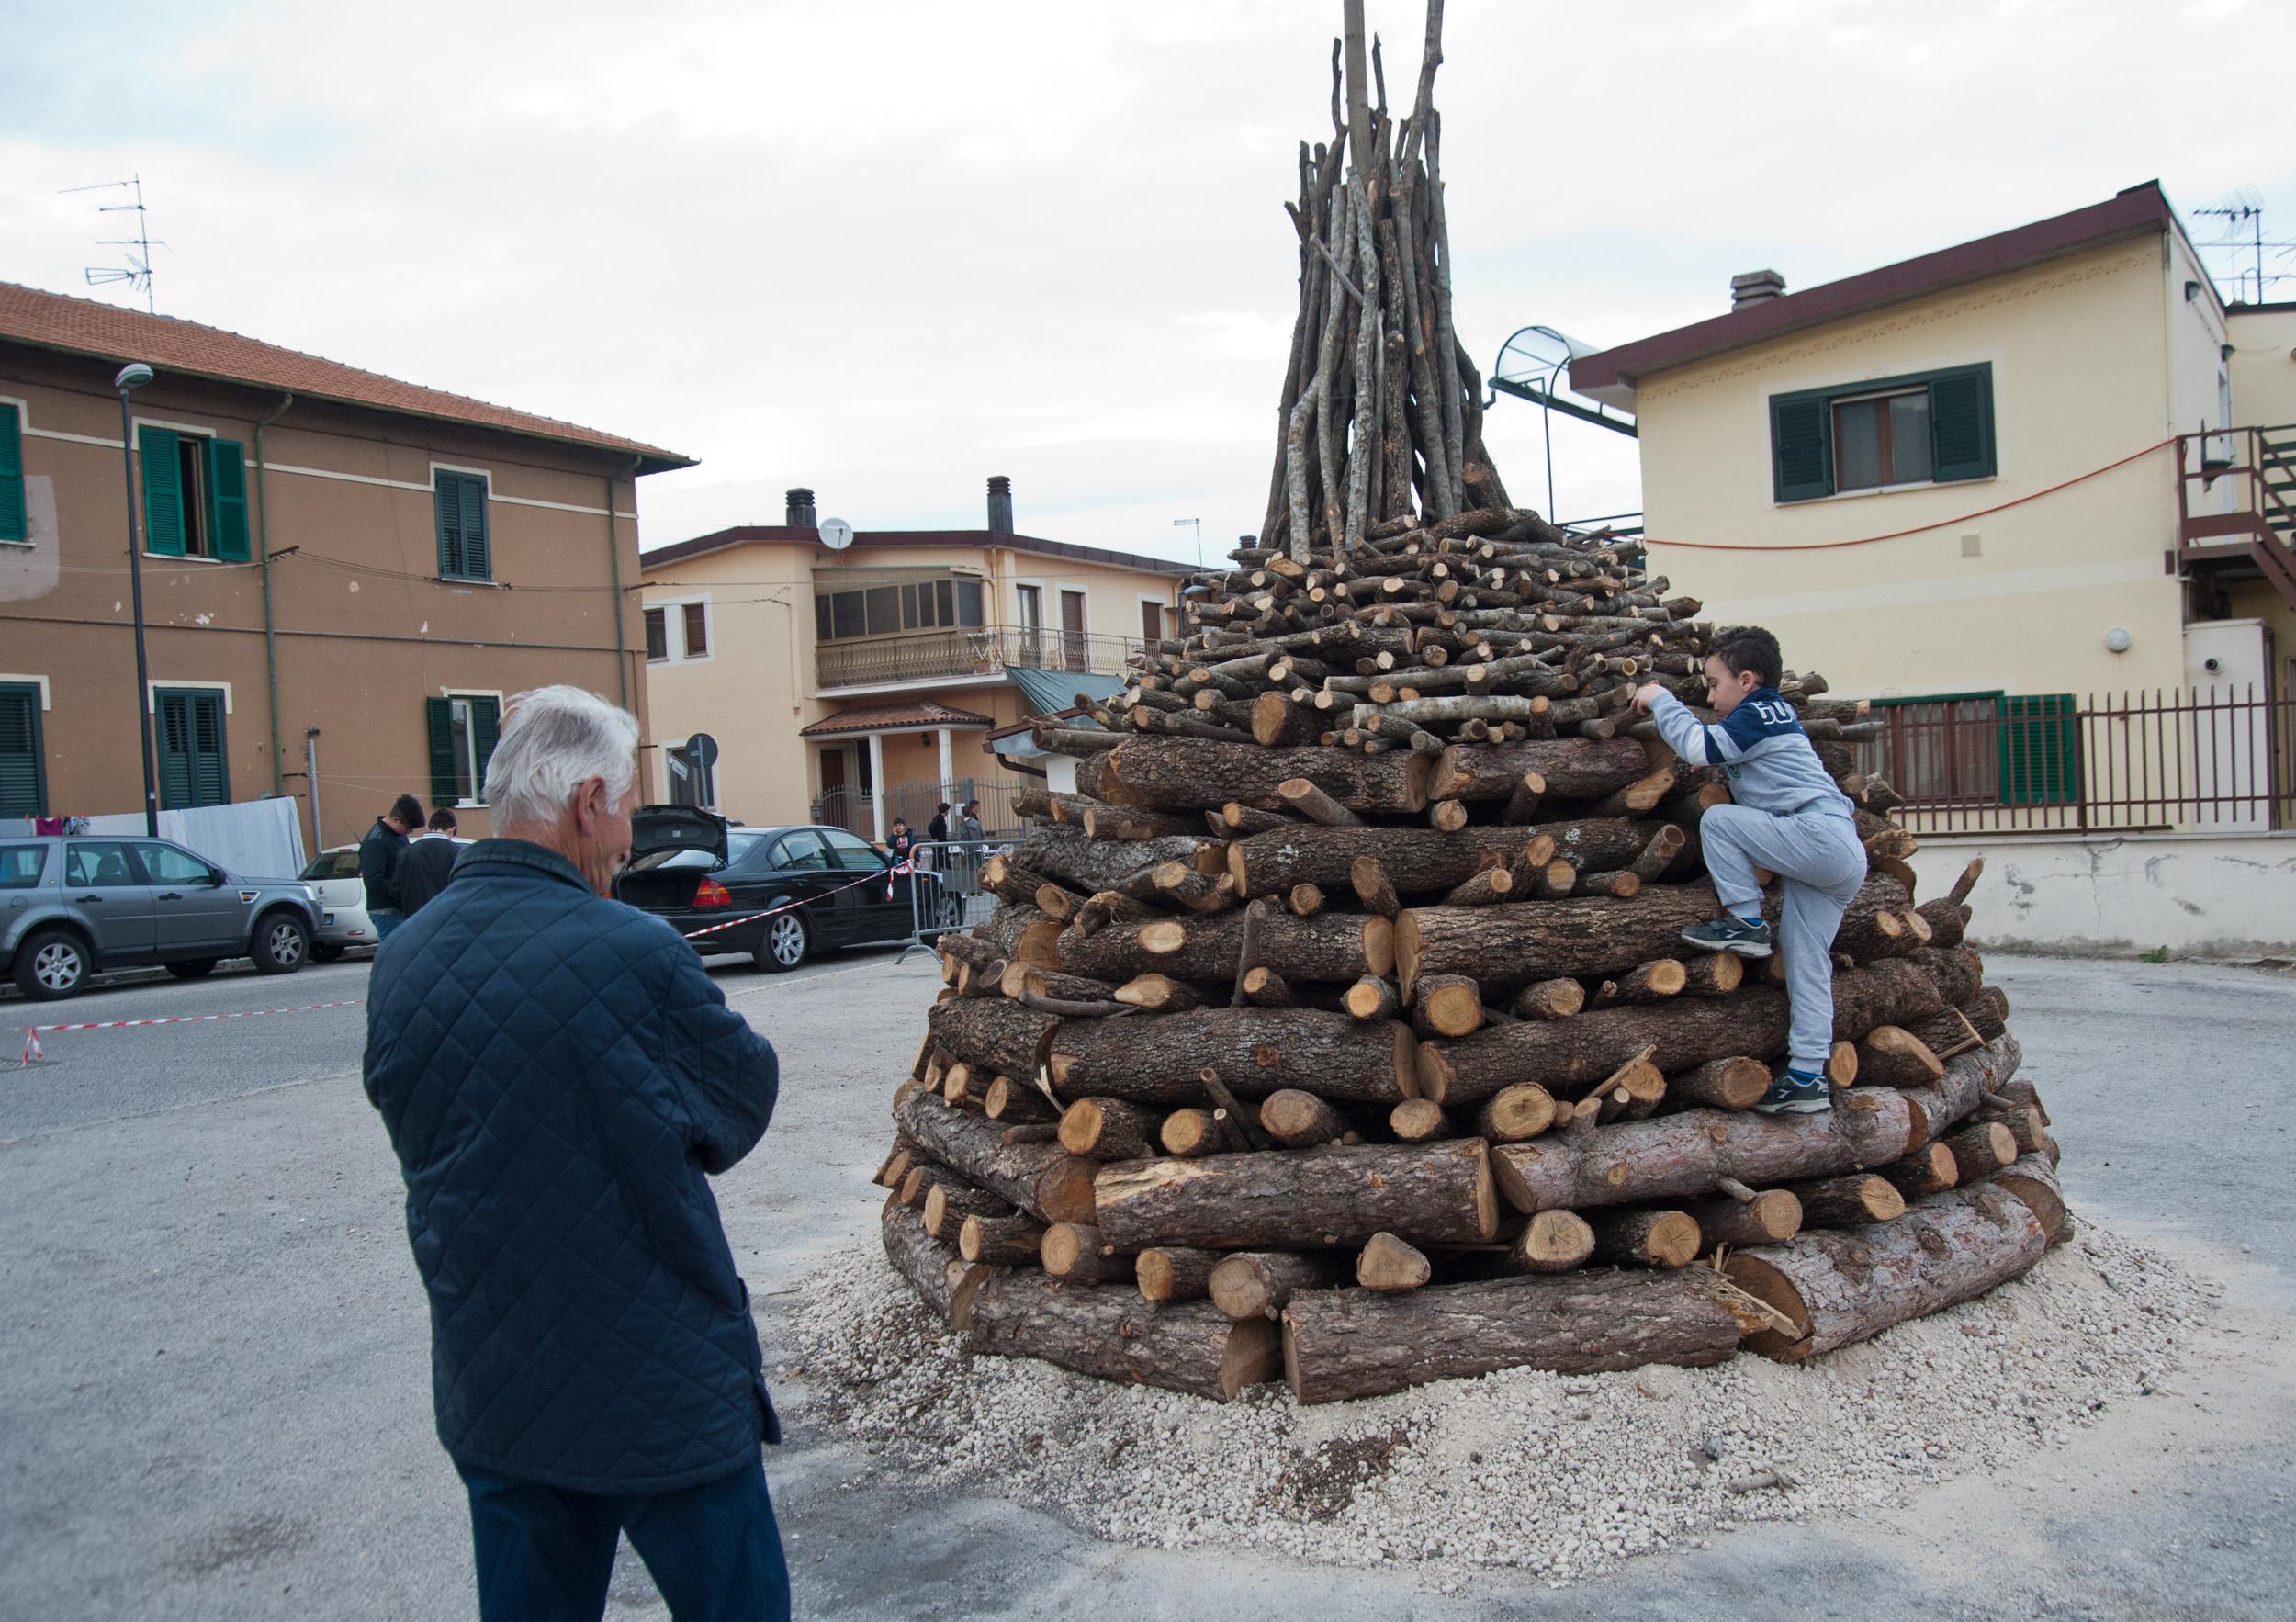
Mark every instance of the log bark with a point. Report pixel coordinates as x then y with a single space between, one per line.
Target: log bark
1329 946
1551 1242
1414 861
1516 1113
948 1203
1073 1253
1674 1156
2033 1180
1968 1077
1043 1179
1299 1119
1890 1055
1358 1342
1713 974
1371 998
1848 1201
1172 1272
1155 1059
1841 1287
1307 1199
1159 993
1091 865
1447 1005
1573 768
1549 1000
926 1262
1771 1216
1735 1082
1111 1333
1109 1128
1644 1238
1256 1283
1927 1168
1979 1150
1415 1121
1006 1242
1193 1133
995 1035
1366 878
1587 937
1184 774
1389 1263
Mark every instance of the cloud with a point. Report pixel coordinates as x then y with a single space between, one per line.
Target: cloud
888 248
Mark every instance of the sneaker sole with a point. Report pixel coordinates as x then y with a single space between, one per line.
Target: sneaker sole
1742 948
1797 1106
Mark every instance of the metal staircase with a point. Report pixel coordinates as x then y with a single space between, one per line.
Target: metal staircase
2258 535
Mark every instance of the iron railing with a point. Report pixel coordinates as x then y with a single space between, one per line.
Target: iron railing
2236 501
915 802
2218 758
926 655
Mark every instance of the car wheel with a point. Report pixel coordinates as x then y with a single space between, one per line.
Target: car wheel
282 944
951 911
787 944
192 968
323 953
51 963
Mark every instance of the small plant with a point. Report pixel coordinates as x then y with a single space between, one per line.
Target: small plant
2159 955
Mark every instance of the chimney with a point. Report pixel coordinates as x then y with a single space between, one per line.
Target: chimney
999 504
1756 286
801 511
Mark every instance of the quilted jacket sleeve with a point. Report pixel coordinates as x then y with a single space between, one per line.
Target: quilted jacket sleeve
727 1075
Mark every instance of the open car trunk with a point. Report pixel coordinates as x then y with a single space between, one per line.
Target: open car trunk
672 848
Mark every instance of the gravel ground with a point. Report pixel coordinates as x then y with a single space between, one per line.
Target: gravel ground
1559 1475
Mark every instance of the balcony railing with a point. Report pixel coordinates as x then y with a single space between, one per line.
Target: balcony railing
2216 759
943 655
2236 501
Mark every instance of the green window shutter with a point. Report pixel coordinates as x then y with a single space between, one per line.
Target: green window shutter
486 726
446 504
210 767
23 774
173 716
1961 424
477 553
162 491
440 715
2040 762
15 522
1801 447
226 499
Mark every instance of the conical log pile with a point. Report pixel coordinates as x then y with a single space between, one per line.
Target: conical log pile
1338 1028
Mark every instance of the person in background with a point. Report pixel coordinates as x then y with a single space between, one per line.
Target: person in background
969 823
379 854
426 864
901 844
937 833
560 1080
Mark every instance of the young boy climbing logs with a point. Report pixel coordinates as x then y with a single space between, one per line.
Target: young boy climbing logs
1788 816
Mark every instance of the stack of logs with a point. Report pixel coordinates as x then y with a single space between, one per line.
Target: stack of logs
1338 1025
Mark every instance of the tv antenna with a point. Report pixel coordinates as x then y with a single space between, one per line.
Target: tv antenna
136 271
2244 207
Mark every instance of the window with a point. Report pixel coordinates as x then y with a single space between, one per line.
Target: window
465 552
164 864
1929 428
21 865
1978 748
23 768
854 851
333 864
15 519
98 864
193 768
463 727
802 850
194 495
697 629
1029 602
657 635
954 603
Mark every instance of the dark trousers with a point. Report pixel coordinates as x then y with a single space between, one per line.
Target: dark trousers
545 1554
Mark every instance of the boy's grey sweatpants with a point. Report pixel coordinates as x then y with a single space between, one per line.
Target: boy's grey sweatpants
1820 864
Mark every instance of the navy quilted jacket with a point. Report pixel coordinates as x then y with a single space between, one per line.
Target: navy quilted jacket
558 1075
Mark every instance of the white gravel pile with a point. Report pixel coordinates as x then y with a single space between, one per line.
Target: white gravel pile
1556 1474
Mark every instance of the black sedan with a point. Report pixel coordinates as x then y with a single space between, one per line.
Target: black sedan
796 890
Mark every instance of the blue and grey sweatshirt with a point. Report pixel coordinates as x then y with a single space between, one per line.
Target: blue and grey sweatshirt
1763 749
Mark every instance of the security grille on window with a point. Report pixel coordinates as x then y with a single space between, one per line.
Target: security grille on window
1929 428
194 495
463 728
466 550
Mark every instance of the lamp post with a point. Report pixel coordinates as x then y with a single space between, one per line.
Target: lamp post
133 376
1197 525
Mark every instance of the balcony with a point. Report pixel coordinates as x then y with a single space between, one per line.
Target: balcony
2237 506
963 656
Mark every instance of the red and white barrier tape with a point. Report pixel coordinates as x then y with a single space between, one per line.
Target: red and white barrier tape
888 875
32 1032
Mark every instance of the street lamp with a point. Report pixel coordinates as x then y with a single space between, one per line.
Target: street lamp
133 376
1197 525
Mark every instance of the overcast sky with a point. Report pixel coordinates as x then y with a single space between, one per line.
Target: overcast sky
887 249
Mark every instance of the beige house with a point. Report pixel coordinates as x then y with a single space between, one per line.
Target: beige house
1988 485
804 671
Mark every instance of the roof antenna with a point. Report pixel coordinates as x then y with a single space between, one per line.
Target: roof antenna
136 271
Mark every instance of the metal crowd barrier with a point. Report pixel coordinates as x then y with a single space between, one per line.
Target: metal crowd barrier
945 894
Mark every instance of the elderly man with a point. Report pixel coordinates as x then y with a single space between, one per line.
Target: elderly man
559 1076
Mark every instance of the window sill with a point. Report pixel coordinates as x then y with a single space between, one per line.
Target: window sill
464 579
1885 489
27 543
187 558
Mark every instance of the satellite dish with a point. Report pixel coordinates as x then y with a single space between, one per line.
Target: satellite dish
836 534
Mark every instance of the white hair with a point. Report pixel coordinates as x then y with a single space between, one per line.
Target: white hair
554 739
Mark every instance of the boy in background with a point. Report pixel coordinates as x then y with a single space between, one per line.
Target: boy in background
1788 816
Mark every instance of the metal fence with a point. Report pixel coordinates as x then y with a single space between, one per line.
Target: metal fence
2216 759
981 651
953 899
916 803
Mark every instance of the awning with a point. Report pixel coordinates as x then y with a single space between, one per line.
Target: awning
1052 692
899 717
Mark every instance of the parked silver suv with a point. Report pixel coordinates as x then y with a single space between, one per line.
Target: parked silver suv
73 906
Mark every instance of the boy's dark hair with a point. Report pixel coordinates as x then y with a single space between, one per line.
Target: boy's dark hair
408 810
1749 647
442 821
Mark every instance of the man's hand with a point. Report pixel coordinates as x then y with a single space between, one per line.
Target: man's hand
1646 695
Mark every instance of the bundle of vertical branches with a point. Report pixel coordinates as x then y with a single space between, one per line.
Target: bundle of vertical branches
1337 1025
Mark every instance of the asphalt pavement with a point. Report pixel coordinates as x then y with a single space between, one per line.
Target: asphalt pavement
216 1386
